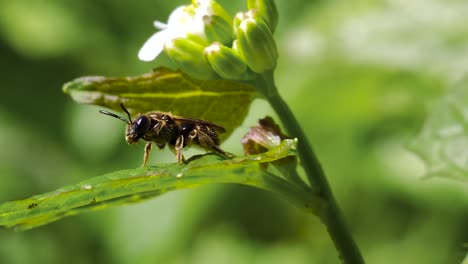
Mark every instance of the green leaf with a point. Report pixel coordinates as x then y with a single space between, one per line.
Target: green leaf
443 141
135 185
219 101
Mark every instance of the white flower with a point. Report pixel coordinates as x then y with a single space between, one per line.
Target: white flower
183 21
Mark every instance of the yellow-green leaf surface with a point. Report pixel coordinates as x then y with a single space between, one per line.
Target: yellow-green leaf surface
134 185
220 101
443 141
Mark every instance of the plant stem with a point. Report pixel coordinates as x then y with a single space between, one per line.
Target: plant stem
330 213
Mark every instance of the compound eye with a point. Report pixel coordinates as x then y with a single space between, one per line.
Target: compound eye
142 125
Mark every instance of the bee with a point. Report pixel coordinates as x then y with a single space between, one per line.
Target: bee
178 132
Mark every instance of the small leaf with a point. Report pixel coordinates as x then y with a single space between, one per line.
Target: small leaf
443 141
266 135
135 185
219 101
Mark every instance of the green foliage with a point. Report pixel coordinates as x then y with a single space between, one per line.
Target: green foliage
219 101
443 141
359 75
135 185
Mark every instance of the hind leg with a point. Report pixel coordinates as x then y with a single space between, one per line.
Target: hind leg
207 142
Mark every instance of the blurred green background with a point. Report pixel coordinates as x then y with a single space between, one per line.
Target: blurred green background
360 75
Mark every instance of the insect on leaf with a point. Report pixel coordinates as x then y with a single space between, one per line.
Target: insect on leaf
219 101
135 185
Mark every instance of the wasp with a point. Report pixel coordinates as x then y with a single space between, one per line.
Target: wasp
178 132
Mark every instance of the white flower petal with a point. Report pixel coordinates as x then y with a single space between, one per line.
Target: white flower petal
204 7
159 25
198 28
184 20
179 17
153 46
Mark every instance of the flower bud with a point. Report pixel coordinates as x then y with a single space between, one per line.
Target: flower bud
241 16
238 18
235 46
218 10
256 45
188 55
197 39
218 29
267 10
225 62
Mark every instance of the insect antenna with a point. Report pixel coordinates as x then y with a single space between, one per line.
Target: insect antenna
126 111
114 115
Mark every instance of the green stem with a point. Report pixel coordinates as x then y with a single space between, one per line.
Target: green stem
330 213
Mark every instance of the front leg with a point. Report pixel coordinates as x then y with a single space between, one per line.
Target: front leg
147 153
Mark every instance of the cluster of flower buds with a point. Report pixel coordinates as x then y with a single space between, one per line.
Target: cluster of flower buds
207 43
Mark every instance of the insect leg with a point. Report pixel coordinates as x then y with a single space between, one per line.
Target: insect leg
147 153
193 134
178 148
208 142
222 152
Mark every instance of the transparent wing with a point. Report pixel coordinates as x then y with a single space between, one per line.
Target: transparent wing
216 127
